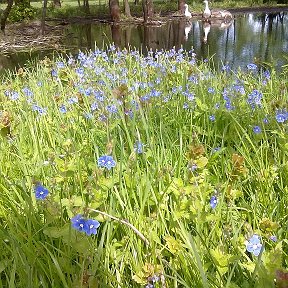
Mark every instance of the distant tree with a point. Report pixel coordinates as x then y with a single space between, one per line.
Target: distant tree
114 10
181 4
148 10
86 5
56 3
44 9
5 14
127 9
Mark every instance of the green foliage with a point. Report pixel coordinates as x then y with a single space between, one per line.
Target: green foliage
197 190
22 11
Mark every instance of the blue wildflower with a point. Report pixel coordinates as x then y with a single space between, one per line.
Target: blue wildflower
54 73
91 227
254 98
39 109
185 106
281 116
14 95
265 120
193 167
138 147
106 161
225 68
27 92
63 109
273 238
211 90
254 245
111 109
40 192
213 201
212 118
267 74
60 65
257 130
79 223
251 66
73 100
216 149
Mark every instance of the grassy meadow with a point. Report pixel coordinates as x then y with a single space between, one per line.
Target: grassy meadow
124 170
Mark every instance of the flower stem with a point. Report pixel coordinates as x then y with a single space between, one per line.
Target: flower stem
125 222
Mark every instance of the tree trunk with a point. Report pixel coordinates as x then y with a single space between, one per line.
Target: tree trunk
145 12
181 4
86 6
148 11
116 35
127 9
128 31
5 14
56 3
114 10
43 16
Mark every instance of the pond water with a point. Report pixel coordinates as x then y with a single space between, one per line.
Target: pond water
248 38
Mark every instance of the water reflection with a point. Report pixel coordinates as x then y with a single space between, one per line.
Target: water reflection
248 38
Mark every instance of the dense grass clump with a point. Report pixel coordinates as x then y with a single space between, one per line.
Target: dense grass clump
119 170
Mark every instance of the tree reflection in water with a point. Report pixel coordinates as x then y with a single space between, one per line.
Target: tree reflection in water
249 38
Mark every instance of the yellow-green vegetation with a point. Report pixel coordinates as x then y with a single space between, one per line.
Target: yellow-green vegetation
124 170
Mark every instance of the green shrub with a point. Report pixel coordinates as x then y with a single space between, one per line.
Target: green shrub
21 11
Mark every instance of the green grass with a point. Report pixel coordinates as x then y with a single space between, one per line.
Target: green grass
164 192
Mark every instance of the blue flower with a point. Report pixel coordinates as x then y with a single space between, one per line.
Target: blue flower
106 161
54 73
63 109
212 118
254 245
211 90
216 149
225 68
91 227
281 116
72 100
257 130
79 223
251 66
213 201
112 109
265 120
40 192
88 226
60 65
138 147
193 167
273 238
267 74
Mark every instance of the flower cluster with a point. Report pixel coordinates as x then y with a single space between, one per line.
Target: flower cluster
106 161
88 226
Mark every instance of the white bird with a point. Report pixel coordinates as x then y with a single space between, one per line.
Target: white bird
206 29
187 30
217 23
186 12
216 13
